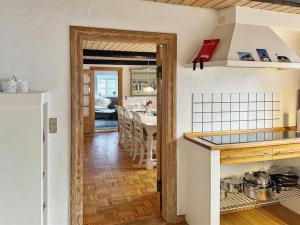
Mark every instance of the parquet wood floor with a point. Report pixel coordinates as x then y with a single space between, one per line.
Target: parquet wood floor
115 192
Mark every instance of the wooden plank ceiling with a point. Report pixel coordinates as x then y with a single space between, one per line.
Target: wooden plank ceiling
118 53
119 46
284 6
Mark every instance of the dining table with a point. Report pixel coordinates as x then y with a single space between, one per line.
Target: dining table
149 122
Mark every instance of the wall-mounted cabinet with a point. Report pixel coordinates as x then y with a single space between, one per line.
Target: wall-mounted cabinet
23 158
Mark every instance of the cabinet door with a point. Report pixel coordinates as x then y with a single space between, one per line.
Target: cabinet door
88 101
245 155
286 151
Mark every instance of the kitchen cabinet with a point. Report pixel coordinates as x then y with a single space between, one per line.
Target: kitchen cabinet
208 163
23 158
244 155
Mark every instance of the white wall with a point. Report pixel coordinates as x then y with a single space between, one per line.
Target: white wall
34 45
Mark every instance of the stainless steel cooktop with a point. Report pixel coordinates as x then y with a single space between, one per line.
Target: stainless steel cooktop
250 137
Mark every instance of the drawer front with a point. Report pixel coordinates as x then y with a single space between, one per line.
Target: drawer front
245 155
286 151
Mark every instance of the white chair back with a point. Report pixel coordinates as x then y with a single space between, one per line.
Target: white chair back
128 120
138 126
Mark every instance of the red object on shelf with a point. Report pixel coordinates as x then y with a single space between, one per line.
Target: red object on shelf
206 52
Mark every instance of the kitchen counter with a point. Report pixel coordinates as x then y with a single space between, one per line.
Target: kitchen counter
209 160
197 138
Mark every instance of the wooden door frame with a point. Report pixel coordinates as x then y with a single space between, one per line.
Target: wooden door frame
167 117
120 79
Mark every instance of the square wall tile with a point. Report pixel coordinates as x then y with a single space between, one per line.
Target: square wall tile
268 105
252 97
225 97
225 107
268 97
217 97
244 125
252 116
217 126
197 127
207 97
217 107
235 125
276 114
217 116
235 107
197 117
225 125
244 97
276 105
268 115
207 117
260 97
226 116
261 115
197 107
244 107
252 106
252 124
260 106
235 97
197 97
207 107
268 123
260 124
243 115
207 126
235 116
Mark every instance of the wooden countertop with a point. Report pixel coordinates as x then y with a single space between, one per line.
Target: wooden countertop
194 137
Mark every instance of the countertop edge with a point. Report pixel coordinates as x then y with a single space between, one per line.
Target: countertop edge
193 137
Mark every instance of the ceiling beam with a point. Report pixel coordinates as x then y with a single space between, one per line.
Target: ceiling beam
119 54
294 3
119 62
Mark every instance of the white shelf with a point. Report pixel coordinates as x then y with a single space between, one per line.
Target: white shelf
237 202
248 64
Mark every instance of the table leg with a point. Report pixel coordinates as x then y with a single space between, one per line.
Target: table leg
149 162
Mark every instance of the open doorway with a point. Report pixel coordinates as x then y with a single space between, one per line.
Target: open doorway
103 91
165 133
106 99
120 157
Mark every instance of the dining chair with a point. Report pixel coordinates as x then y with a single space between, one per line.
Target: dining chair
121 123
140 140
128 131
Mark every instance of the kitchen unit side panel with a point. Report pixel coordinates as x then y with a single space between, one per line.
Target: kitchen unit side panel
20 165
202 196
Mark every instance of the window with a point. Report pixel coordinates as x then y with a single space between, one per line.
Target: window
106 83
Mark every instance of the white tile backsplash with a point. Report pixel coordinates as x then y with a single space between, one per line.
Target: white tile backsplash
217 107
217 97
234 111
235 107
225 97
207 107
207 97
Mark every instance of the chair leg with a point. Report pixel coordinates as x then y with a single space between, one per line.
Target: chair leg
142 153
136 145
126 141
131 146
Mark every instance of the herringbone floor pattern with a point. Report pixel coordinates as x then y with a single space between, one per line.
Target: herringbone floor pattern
115 192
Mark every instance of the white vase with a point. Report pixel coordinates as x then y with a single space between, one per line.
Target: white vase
22 86
9 86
